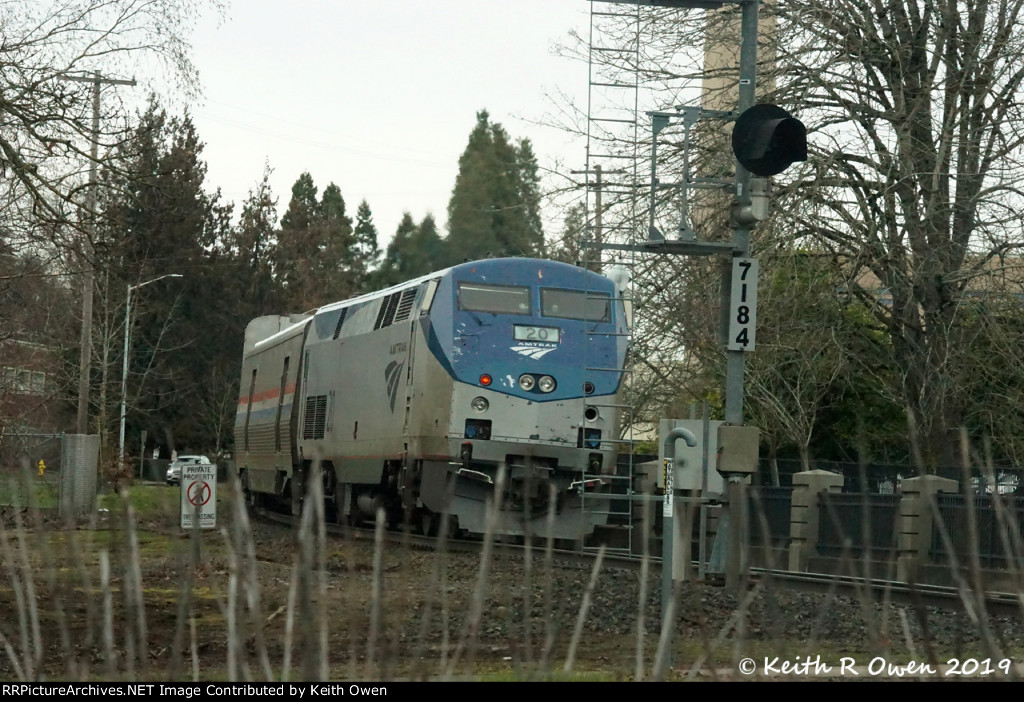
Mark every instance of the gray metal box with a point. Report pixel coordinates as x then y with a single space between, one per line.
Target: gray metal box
737 449
689 459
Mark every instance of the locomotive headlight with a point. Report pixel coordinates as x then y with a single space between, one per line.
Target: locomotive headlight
480 404
526 382
546 383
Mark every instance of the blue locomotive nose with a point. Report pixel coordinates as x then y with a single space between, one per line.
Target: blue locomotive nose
555 333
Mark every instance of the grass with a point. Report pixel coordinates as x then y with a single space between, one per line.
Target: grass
23 491
134 597
149 501
511 675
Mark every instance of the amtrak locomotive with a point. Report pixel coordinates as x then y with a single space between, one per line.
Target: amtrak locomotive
424 398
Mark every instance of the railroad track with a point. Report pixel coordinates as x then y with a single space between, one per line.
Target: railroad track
910 594
907 594
459 545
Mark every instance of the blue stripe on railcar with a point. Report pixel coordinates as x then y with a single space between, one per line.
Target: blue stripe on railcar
469 344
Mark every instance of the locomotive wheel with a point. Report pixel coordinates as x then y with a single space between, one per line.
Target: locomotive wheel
247 494
450 524
338 511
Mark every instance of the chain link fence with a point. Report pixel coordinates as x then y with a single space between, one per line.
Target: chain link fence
52 472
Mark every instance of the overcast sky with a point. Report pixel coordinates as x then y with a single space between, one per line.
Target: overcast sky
379 96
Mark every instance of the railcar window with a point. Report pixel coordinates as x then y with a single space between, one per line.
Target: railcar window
280 404
326 323
587 305
248 408
428 296
341 321
498 299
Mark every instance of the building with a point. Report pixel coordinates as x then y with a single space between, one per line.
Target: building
30 400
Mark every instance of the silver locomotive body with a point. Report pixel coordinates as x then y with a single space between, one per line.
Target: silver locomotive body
429 397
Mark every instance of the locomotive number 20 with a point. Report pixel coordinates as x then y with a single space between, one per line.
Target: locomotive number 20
531 333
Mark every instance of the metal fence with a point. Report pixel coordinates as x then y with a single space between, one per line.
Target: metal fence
80 477
57 472
770 508
886 477
852 523
30 469
993 523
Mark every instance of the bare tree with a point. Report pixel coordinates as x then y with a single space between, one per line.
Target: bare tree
803 358
60 127
915 133
914 112
46 121
993 379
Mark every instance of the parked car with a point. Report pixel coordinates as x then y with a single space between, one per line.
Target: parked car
174 470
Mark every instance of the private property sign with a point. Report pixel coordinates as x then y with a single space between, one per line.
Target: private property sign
198 496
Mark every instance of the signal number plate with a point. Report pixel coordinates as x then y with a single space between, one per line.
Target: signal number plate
547 334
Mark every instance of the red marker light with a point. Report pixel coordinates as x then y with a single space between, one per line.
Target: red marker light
485 380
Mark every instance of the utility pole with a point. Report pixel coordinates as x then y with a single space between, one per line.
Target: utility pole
765 141
86 250
598 206
124 368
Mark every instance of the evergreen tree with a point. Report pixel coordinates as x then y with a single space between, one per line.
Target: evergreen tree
159 210
295 249
529 193
303 207
567 248
316 257
415 250
162 222
251 245
368 250
495 205
427 251
338 272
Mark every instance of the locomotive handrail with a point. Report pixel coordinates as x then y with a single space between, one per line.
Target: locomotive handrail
476 475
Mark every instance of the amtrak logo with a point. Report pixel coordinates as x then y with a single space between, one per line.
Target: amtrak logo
534 352
392 374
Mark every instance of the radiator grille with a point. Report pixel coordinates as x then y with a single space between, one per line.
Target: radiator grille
405 305
315 417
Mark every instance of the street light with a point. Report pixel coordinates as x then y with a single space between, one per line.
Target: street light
124 367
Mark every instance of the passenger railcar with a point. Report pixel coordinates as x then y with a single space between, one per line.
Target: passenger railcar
415 397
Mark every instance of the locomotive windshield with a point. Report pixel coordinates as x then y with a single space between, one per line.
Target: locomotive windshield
498 299
589 306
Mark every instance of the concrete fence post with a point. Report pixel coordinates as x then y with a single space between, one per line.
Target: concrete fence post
916 522
804 511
